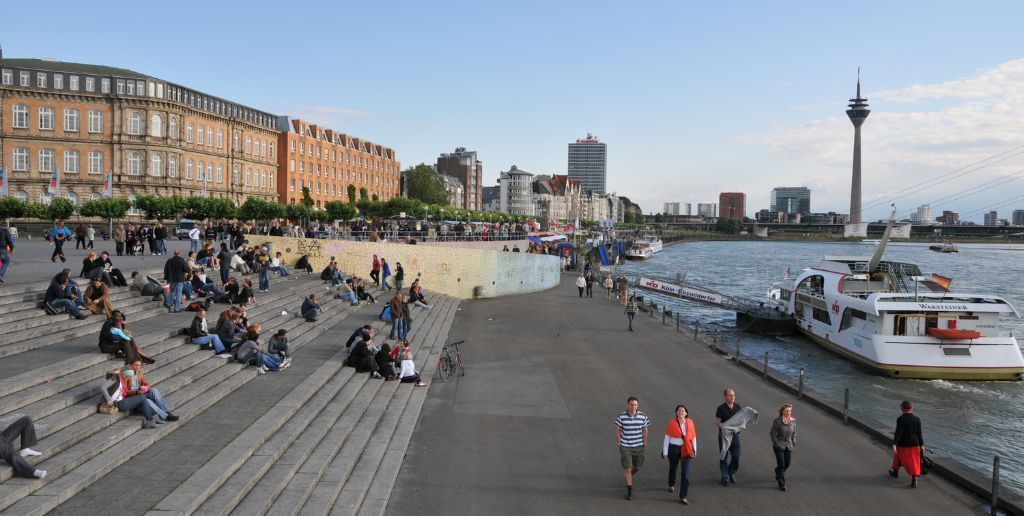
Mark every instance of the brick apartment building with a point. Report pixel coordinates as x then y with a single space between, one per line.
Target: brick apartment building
732 205
157 137
328 161
464 166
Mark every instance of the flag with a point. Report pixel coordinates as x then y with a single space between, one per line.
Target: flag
943 281
55 184
901 231
108 185
3 182
858 229
787 272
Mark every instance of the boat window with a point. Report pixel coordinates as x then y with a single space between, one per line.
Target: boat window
813 285
821 315
849 315
785 295
967 317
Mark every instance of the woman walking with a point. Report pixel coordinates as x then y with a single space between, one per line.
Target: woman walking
783 434
680 448
581 283
385 274
631 309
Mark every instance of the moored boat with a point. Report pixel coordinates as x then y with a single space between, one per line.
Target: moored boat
945 247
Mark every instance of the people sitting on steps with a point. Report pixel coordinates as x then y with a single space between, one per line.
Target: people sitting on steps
246 297
199 334
116 276
252 352
92 268
416 295
97 298
365 329
348 292
58 300
114 392
135 383
385 362
22 428
362 359
361 292
116 340
231 331
304 263
408 373
310 309
279 344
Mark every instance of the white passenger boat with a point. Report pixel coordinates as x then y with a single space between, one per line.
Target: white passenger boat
888 317
644 248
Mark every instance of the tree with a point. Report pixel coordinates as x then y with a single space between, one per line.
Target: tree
160 208
424 183
371 209
36 210
319 215
337 210
255 208
60 208
396 205
659 218
198 207
12 208
374 197
221 208
728 226
297 213
363 194
107 209
352 194
307 199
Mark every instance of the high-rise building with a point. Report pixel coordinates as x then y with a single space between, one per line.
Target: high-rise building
949 218
516 196
671 208
327 162
588 163
707 210
1018 218
992 218
464 166
732 205
491 198
791 200
923 214
82 122
858 113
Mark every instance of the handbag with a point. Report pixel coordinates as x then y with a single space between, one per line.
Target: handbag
107 408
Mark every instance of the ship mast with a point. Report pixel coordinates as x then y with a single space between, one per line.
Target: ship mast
880 248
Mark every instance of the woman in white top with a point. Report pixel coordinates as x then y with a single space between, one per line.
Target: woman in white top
409 374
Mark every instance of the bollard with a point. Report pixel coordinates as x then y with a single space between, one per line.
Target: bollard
677 322
766 364
714 336
662 317
737 350
800 388
846 405
995 486
696 324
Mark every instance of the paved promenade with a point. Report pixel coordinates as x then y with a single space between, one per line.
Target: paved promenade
529 429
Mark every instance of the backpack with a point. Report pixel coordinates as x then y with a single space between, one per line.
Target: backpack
385 314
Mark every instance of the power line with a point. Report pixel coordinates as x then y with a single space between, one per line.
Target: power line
988 185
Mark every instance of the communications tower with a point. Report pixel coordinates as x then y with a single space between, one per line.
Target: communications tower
858 113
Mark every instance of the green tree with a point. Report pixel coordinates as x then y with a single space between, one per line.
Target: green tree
256 209
107 209
374 197
424 183
36 210
659 218
319 215
12 208
307 199
364 194
396 205
371 209
60 208
160 208
352 194
198 208
728 226
297 213
221 208
337 210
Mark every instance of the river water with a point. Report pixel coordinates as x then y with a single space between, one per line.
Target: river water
972 421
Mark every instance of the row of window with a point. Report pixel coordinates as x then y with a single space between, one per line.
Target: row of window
327 188
72 119
74 82
359 161
334 173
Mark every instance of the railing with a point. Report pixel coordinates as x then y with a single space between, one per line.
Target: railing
420 236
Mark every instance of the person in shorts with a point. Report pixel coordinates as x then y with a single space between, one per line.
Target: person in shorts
631 437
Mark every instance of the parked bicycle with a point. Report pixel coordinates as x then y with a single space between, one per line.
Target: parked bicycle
450 361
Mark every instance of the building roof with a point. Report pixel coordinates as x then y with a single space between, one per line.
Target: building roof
453 182
63 66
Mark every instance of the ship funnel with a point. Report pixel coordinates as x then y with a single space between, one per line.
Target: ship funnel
880 248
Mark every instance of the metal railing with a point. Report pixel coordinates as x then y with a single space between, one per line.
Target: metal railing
419 236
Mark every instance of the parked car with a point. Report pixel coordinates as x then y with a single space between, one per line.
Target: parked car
184 226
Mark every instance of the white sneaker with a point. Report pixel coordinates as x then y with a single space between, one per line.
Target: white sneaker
261 370
39 473
29 452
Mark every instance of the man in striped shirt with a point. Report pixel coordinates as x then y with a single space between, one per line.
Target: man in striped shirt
631 436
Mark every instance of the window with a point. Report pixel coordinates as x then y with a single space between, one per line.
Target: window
248 145
8 78
40 80
135 123
234 143
133 210
73 82
46 160
220 138
46 119
20 116
71 162
200 135
188 132
271 150
104 85
293 146
156 166
120 87
45 197
263 179
94 196
71 120
291 185
172 127
188 169
209 171
95 162
220 172
172 166
199 171
302 167
90 85
236 175
302 147
209 136
156 125
95 121
22 195
134 164
58 81
20 160
72 196
291 165
263 148
270 179
23 79
131 88
248 177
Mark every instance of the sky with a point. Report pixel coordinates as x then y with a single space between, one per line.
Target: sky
692 98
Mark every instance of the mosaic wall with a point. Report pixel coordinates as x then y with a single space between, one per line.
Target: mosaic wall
448 270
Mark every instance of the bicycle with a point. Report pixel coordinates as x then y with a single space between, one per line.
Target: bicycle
450 361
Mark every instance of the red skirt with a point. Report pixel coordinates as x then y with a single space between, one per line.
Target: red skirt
910 458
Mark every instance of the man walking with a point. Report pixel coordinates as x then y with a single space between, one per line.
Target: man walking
631 310
907 444
193 238
375 270
581 283
725 412
119 236
6 251
631 436
174 272
59 235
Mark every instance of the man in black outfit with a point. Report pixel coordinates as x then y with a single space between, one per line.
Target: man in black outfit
365 329
722 414
24 429
174 272
362 359
907 444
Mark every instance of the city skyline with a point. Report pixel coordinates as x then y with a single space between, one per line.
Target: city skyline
684 110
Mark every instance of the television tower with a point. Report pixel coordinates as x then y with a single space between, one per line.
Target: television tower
858 112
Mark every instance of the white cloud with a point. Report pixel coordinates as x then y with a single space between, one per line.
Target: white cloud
979 116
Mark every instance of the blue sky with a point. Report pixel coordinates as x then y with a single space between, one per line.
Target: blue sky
692 98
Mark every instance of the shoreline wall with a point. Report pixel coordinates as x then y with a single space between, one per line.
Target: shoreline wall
450 270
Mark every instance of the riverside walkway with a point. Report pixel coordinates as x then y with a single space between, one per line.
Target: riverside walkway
529 429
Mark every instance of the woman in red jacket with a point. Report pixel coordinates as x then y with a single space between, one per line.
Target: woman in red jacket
680 448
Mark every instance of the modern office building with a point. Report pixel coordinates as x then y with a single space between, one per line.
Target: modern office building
949 218
327 162
491 198
791 200
464 166
588 163
732 205
82 121
707 210
1018 218
923 214
992 218
516 195
677 208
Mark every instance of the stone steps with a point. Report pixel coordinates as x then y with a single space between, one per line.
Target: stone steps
281 473
189 393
